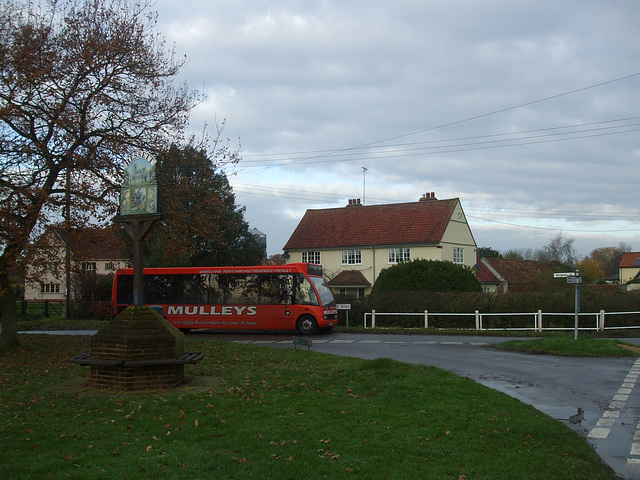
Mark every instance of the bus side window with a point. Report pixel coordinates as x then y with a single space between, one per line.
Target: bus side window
243 289
124 293
276 289
160 289
217 290
268 289
305 294
285 286
194 289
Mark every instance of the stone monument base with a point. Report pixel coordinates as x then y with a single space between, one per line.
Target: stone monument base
138 350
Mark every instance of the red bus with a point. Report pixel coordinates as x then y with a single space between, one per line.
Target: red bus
274 297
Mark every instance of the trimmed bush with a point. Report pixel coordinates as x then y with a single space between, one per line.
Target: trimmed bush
426 275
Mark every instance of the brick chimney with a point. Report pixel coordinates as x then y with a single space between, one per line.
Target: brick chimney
429 196
354 202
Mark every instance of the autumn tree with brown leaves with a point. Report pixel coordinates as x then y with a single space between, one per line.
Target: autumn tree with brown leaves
608 258
84 84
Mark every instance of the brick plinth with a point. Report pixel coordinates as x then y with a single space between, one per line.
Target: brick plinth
138 334
150 377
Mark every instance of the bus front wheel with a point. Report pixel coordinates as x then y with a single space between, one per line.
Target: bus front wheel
307 325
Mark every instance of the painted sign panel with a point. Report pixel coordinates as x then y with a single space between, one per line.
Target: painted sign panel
139 193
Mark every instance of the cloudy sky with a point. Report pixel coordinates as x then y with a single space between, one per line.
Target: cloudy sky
528 111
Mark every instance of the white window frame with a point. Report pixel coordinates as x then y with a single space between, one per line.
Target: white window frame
89 267
49 288
458 255
352 257
311 256
399 255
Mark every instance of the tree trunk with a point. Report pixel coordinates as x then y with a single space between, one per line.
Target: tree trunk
9 334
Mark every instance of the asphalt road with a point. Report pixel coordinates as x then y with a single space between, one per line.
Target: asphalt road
603 388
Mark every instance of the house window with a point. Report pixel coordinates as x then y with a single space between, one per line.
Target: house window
88 267
311 257
49 288
109 266
458 255
399 255
351 292
351 257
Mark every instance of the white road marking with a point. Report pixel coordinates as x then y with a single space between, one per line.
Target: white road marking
618 402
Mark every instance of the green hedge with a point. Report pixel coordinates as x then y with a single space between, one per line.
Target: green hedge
592 300
429 275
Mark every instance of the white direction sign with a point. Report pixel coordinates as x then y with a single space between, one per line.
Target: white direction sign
564 274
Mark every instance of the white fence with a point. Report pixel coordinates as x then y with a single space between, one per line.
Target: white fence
587 321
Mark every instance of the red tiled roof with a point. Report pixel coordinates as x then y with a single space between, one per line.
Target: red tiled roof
416 223
519 271
349 278
484 275
629 259
92 243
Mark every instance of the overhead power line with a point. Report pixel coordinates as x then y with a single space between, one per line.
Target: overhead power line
307 157
453 146
495 212
608 230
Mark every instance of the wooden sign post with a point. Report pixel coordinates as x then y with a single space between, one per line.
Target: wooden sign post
138 212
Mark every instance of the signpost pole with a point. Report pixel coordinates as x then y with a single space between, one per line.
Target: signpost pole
577 277
344 306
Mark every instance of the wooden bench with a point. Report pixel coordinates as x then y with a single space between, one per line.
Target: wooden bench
189 357
85 359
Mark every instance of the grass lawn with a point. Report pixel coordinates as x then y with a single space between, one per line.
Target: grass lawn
568 346
274 413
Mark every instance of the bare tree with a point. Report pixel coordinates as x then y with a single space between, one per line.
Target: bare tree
519 254
559 249
83 85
